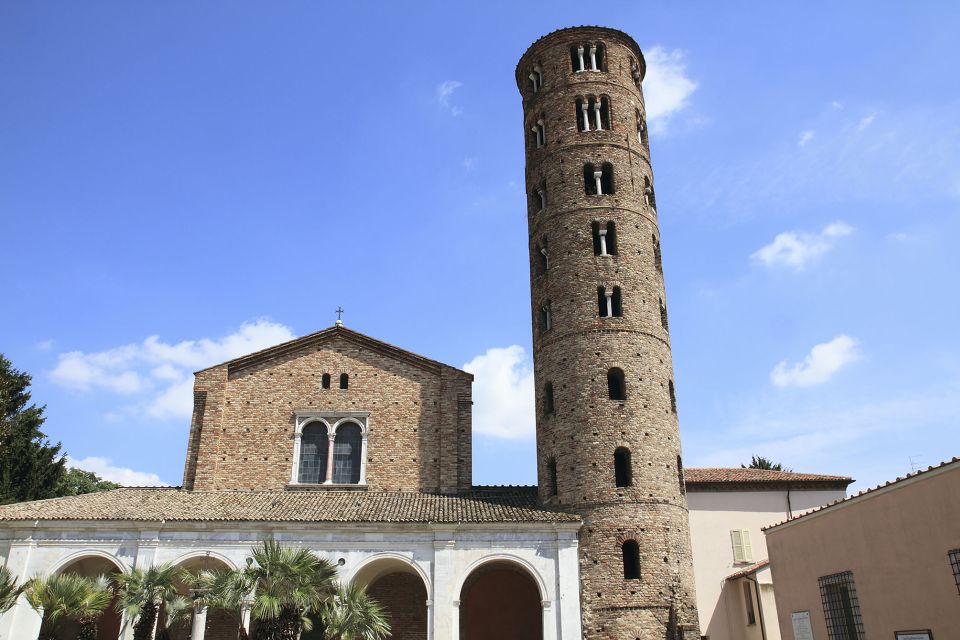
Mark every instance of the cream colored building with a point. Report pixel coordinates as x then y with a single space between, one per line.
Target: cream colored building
728 510
884 563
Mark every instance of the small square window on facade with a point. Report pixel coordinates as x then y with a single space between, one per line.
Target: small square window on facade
742 549
841 608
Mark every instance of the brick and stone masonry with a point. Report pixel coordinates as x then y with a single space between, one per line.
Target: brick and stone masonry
580 427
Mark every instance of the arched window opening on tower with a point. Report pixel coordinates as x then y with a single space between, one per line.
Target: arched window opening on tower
683 484
588 56
598 181
657 258
325 381
576 58
622 467
537 134
635 72
540 196
602 113
642 130
648 194
593 113
631 560
546 317
548 398
604 239
552 477
616 385
663 316
673 396
598 57
344 381
536 79
543 258
609 301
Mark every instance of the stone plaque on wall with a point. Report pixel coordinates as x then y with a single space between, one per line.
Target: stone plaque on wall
801 625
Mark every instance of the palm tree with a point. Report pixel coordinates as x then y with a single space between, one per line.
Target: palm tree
68 596
226 590
176 610
353 614
141 592
9 591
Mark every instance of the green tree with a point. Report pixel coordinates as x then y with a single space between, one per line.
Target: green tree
9 591
75 482
759 462
67 596
141 593
176 610
30 467
353 614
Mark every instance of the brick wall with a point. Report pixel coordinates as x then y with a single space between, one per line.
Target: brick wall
405 599
242 430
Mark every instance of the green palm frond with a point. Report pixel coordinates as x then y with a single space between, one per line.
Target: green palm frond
68 596
354 614
9 590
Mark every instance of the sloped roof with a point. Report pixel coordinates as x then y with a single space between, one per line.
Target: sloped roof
943 466
480 505
746 571
714 478
328 334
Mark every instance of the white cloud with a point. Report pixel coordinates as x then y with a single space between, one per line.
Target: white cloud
45 345
821 363
104 468
503 393
444 92
805 137
666 86
796 250
160 372
866 122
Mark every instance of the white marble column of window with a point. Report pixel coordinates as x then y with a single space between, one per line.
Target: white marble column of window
597 175
593 58
586 116
328 476
295 467
596 115
580 54
363 457
603 241
609 294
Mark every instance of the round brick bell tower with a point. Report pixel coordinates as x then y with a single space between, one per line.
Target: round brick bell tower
608 439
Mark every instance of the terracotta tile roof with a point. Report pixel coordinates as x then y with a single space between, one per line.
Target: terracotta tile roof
482 504
753 568
866 492
721 477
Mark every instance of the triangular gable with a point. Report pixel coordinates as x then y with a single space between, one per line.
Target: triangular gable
327 335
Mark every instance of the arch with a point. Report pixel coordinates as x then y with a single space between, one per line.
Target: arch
344 381
213 555
349 420
631 560
92 563
607 183
314 452
402 589
363 574
219 623
589 179
604 107
622 467
506 558
601 57
501 597
87 553
616 384
325 381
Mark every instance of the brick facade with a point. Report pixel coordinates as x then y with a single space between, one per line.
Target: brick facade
242 431
579 435
404 598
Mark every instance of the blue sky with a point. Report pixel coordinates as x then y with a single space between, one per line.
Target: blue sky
181 183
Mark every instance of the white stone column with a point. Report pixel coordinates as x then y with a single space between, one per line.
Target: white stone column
146 557
597 175
609 294
596 114
295 467
549 620
363 458
593 58
429 619
568 584
580 54
586 116
245 608
455 620
446 615
328 476
22 621
603 241
199 627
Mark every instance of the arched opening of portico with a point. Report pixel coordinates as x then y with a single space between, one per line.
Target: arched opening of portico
500 600
108 626
220 624
402 592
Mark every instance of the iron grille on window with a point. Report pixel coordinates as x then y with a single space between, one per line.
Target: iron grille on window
955 563
841 607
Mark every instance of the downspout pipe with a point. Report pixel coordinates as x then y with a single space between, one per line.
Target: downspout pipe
763 625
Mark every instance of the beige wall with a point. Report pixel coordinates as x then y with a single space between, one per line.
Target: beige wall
894 540
713 514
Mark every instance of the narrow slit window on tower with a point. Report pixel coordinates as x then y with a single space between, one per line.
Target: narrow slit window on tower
598 57
616 385
546 317
663 316
622 467
606 179
325 381
657 258
536 79
548 398
603 113
609 302
591 181
641 129
604 239
538 196
648 193
673 396
631 560
344 381
552 476
576 58
635 72
683 484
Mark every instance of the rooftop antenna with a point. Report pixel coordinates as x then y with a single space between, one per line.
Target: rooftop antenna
914 463
339 312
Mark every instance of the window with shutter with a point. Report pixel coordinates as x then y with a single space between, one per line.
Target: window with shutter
742 549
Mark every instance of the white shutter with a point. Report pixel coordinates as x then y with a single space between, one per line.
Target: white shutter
742 549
